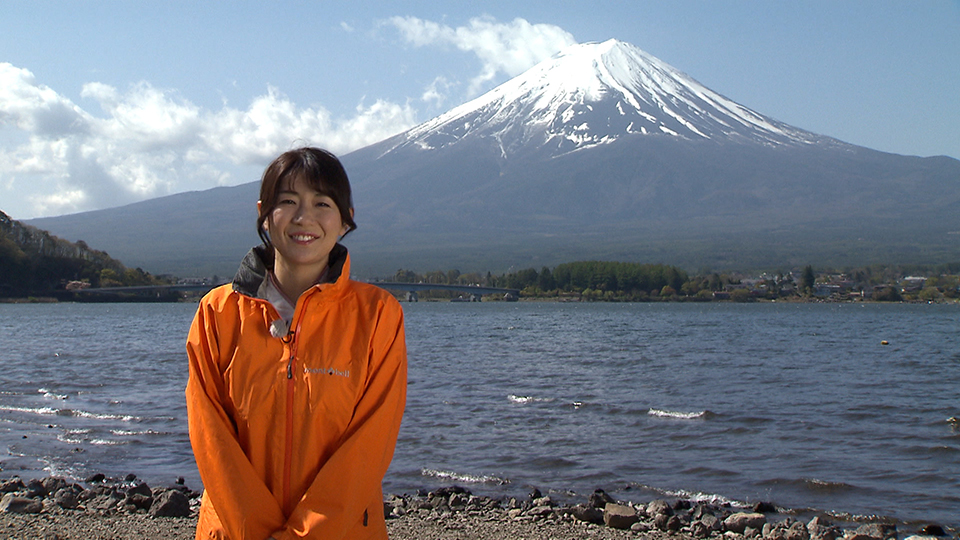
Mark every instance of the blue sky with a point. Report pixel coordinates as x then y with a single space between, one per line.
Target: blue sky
106 103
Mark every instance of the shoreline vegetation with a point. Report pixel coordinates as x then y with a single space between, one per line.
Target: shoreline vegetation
35 264
56 508
38 267
605 281
584 281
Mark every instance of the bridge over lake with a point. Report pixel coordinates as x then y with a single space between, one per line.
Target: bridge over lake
469 293
472 292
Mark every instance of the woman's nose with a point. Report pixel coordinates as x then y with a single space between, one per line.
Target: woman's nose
298 215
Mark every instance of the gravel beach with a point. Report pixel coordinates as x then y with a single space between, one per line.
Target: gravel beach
56 509
75 525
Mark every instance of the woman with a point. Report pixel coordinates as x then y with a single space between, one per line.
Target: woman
297 374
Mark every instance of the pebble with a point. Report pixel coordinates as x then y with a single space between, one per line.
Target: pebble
171 513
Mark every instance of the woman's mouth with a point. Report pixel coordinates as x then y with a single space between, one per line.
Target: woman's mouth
303 238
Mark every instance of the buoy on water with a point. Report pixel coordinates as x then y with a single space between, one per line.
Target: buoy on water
884 342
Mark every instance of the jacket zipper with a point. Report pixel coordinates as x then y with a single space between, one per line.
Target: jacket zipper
288 435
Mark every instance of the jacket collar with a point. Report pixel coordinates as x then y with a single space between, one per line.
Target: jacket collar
256 265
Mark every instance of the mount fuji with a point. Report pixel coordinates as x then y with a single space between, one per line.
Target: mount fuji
601 152
595 94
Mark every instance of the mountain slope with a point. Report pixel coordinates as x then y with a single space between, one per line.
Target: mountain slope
602 152
593 94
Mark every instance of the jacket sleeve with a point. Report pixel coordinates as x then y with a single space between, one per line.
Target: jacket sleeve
246 507
348 482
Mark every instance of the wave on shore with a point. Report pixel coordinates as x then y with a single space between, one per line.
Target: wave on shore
464 478
680 415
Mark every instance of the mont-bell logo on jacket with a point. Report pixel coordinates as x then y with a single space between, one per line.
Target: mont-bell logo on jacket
326 371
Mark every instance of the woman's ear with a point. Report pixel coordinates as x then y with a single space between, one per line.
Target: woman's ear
266 222
346 228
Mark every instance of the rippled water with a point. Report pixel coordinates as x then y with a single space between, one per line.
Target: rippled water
798 404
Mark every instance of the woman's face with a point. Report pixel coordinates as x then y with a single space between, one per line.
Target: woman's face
304 226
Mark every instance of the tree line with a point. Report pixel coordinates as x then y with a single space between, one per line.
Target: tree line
623 281
34 262
605 279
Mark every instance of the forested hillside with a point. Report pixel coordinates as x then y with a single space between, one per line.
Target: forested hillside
33 262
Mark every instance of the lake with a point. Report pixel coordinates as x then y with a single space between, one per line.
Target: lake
802 405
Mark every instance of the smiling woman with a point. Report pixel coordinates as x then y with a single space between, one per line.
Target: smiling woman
305 207
297 374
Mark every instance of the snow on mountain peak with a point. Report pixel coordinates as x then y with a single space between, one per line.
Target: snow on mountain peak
594 93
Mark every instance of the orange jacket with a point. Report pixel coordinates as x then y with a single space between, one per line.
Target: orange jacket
292 436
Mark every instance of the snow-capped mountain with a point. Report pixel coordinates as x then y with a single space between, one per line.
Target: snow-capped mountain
595 93
601 152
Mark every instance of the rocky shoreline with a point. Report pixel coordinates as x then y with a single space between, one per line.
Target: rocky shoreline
101 508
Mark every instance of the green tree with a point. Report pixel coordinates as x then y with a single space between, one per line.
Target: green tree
807 280
405 276
740 295
929 294
545 280
110 278
887 294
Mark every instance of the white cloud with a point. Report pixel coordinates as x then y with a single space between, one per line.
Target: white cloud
508 48
58 158
36 108
436 93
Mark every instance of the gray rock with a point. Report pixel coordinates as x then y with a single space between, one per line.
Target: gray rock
171 503
877 530
821 529
658 507
12 485
140 489
764 508
619 516
539 511
138 501
53 484
35 489
20 505
393 507
587 513
797 531
95 478
701 510
700 530
543 501
711 522
739 521
599 499
105 503
775 533
457 500
933 530
66 498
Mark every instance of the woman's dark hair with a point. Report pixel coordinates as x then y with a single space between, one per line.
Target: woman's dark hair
320 169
